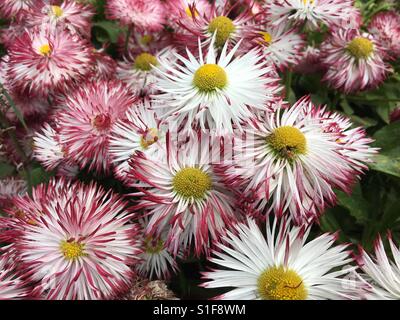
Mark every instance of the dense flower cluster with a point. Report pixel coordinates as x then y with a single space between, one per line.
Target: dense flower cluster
187 113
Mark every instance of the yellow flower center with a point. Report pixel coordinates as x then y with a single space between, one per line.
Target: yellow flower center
360 47
288 141
266 37
145 62
146 39
72 250
152 245
192 183
305 2
57 11
210 77
224 28
281 284
45 50
149 138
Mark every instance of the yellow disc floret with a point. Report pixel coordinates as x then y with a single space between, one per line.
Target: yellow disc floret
152 245
287 141
145 62
279 283
72 250
360 47
266 37
224 28
210 77
45 50
57 11
192 183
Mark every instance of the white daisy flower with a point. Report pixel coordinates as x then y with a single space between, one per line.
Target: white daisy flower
295 163
141 130
281 266
313 12
138 72
216 93
282 46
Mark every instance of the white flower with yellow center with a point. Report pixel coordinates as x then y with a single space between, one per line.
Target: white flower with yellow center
215 93
140 131
281 45
183 194
313 12
281 266
290 162
76 242
354 61
138 70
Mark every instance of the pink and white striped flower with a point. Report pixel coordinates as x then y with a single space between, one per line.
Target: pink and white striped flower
297 161
385 26
217 21
281 265
381 273
156 260
313 12
44 60
142 14
281 46
354 61
70 15
184 195
88 118
14 8
141 130
77 242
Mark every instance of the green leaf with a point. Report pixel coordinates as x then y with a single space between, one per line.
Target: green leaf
355 203
6 170
388 160
107 31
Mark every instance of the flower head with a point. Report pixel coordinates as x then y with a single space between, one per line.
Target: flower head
76 242
44 60
140 131
314 12
385 26
89 116
70 15
215 93
354 61
298 161
183 194
280 266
